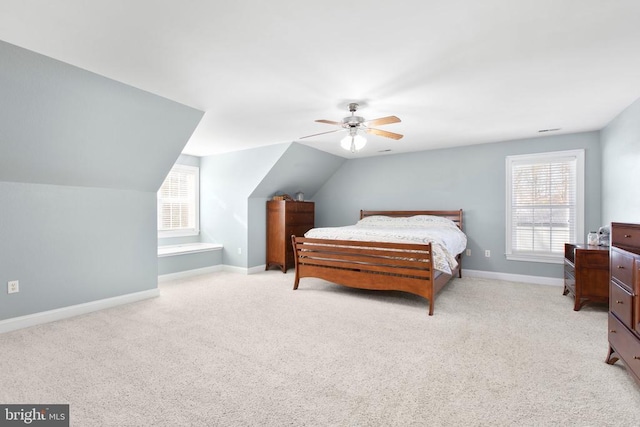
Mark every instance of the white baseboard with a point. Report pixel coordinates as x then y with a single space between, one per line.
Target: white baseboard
189 273
208 270
244 270
257 269
538 280
74 310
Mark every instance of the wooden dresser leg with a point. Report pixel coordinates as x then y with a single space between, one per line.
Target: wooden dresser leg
577 305
612 357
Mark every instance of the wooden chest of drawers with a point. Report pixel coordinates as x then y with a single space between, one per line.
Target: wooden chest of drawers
286 218
586 273
624 297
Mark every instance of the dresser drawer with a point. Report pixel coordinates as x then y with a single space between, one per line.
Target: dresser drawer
626 344
620 304
300 207
625 235
296 230
300 218
569 278
594 259
569 272
622 267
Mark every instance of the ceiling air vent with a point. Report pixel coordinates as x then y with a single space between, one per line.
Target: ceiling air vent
549 130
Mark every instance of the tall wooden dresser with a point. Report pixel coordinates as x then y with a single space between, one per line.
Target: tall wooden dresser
624 297
285 218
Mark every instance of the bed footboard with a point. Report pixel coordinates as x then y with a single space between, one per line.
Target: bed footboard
404 267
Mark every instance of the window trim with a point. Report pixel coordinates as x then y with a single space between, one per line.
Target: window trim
195 171
580 203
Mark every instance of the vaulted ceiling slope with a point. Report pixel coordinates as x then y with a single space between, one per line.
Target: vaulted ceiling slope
63 125
456 72
299 169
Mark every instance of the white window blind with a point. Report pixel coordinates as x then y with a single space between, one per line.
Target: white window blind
178 202
545 204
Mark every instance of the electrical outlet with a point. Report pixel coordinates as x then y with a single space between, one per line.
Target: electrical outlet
487 253
239 251
13 286
468 252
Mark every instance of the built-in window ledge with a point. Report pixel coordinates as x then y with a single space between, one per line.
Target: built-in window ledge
187 248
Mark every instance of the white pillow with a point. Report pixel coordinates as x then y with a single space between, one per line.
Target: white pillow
416 221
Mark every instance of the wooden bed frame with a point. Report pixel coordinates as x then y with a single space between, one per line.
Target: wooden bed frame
406 267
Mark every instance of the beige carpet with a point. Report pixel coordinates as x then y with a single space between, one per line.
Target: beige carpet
232 350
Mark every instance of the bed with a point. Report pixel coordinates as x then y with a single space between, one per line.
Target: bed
400 258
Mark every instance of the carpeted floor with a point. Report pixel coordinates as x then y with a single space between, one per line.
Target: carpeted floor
233 350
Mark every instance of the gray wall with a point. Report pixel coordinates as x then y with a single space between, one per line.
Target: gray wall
621 167
471 178
235 187
226 181
71 245
81 160
189 261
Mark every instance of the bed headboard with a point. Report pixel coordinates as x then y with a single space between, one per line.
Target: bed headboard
455 216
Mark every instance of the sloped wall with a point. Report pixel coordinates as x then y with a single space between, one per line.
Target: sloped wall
226 181
81 160
300 168
234 188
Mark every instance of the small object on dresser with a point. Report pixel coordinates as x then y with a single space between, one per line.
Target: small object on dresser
281 196
300 196
603 235
592 238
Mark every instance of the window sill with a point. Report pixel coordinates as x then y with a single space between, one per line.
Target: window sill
177 233
548 259
187 248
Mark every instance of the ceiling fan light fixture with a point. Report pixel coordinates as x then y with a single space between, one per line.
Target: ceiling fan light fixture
353 143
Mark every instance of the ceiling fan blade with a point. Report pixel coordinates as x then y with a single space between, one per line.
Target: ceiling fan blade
329 122
382 121
383 133
321 133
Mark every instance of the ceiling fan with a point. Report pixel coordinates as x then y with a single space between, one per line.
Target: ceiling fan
354 141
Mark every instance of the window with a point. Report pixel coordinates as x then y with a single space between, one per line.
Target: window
178 207
545 205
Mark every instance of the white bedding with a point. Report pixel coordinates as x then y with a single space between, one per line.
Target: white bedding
446 239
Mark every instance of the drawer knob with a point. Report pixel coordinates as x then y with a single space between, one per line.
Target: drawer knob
619 301
613 331
621 267
627 236
636 357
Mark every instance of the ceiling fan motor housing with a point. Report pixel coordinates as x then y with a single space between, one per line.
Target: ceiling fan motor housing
352 121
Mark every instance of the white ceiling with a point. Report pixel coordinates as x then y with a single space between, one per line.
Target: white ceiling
456 72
